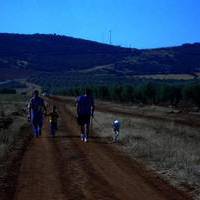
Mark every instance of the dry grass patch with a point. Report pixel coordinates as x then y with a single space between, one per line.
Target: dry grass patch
11 107
167 76
173 150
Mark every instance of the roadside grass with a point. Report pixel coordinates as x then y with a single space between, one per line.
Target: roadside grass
166 76
10 103
11 106
9 137
14 138
11 98
173 150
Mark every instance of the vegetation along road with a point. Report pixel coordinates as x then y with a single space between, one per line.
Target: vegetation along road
65 168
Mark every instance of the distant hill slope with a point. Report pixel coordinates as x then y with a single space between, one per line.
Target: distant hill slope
52 52
77 59
180 59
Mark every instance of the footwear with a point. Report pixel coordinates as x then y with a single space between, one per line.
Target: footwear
36 134
40 132
85 139
82 137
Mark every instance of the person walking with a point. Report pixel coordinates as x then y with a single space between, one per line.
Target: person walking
85 110
53 119
37 109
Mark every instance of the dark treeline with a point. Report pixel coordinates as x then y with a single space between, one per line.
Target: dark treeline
12 84
10 87
147 93
7 91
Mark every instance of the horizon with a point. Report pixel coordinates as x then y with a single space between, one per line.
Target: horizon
54 34
130 23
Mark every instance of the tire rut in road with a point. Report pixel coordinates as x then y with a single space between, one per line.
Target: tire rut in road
125 179
85 182
39 177
104 177
66 168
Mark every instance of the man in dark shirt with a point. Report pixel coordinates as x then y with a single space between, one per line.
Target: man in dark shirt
36 108
85 109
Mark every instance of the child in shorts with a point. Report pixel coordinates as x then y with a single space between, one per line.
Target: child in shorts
53 119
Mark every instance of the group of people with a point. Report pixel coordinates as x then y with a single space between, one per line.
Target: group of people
36 112
85 111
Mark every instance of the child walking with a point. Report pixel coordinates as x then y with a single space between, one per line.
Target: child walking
53 119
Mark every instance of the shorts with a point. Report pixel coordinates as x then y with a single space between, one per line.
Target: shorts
83 119
54 126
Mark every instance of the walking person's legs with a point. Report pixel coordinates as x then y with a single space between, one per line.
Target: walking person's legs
84 122
53 129
35 126
36 132
82 131
87 129
81 124
37 123
40 124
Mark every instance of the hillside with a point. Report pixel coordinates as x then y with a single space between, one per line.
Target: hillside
52 52
172 60
66 60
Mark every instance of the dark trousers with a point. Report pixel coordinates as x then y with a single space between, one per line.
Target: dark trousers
37 123
54 128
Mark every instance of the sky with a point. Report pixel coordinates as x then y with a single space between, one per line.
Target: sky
133 23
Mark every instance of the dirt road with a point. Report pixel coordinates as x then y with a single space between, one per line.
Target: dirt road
65 168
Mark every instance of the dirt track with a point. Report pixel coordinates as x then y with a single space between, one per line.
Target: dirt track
66 168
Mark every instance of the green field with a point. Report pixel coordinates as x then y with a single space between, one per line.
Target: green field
12 98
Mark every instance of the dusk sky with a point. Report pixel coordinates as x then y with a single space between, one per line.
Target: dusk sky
135 23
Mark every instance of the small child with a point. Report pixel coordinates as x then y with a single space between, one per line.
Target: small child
116 127
53 119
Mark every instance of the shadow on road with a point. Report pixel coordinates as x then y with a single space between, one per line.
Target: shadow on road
92 139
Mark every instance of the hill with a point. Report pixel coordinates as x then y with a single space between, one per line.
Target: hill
183 59
71 61
53 52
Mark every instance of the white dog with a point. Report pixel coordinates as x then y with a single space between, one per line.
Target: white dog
116 128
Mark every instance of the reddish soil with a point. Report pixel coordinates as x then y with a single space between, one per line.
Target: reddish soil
177 116
10 164
66 168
